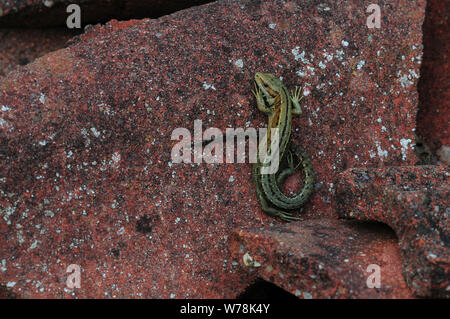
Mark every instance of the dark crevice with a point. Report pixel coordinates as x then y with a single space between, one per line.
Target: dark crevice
421 147
432 83
93 12
374 226
22 46
33 31
262 289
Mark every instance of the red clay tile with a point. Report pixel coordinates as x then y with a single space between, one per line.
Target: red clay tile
87 176
414 202
323 258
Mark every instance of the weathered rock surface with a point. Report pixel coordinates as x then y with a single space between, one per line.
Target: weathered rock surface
86 170
324 258
414 201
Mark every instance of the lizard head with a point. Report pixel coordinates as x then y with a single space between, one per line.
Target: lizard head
269 84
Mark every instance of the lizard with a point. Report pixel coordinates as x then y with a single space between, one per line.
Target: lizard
274 100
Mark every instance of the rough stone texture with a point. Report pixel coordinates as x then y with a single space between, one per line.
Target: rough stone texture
21 46
414 201
39 13
433 117
85 139
323 258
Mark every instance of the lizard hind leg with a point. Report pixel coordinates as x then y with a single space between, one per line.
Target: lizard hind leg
286 172
287 217
271 211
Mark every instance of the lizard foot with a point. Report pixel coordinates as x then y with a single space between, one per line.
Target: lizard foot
287 217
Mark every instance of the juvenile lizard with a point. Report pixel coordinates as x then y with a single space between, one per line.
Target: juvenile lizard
274 100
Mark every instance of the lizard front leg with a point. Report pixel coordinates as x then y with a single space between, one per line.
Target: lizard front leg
296 96
260 102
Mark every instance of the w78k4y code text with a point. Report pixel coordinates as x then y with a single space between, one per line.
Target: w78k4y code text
227 308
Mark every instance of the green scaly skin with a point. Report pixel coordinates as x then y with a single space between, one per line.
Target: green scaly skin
274 100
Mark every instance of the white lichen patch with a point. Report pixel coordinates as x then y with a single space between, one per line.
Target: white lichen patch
340 54
327 56
34 244
11 284
405 80
207 86
306 90
320 86
49 213
20 237
381 153
239 63
7 212
300 56
115 160
85 133
413 74
360 64
404 149
301 73
42 98
330 187
95 132
431 256
310 68
307 295
6 125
